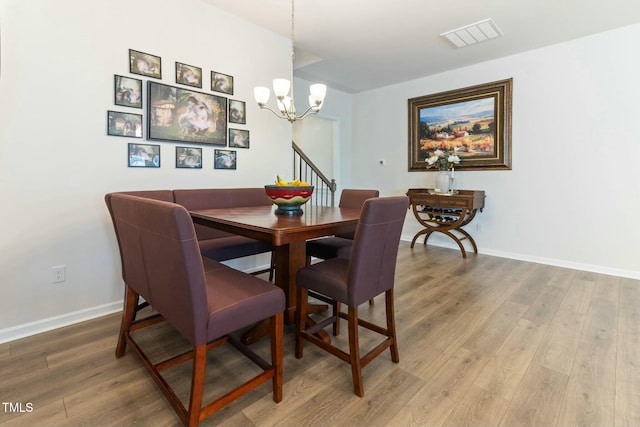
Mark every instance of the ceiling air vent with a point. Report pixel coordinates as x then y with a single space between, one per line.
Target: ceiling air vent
473 33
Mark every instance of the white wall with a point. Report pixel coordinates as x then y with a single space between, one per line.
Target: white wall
572 197
58 60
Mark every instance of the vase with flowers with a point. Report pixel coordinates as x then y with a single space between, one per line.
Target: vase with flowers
445 161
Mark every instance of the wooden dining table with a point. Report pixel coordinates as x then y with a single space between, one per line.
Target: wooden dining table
287 233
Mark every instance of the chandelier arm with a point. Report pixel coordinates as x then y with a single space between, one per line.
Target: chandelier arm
307 112
276 113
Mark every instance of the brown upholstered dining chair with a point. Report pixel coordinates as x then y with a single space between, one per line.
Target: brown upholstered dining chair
340 244
203 300
368 272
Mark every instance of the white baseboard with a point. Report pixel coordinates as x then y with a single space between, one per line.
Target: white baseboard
541 260
51 323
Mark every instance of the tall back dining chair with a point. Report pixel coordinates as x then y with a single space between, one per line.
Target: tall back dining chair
368 272
340 244
203 300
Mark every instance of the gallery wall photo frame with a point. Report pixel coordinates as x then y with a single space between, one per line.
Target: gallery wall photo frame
474 122
184 115
237 112
188 158
143 155
124 124
127 91
145 64
221 83
224 159
189 75
238 138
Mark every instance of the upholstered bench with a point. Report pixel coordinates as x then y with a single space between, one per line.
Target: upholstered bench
216 244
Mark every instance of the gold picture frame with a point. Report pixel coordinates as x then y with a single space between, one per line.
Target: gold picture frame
474 122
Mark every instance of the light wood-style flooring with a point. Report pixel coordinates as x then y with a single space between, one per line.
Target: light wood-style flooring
485 341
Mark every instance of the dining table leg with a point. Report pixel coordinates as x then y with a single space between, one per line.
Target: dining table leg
288 259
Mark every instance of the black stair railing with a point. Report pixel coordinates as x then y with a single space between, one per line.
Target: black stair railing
305 170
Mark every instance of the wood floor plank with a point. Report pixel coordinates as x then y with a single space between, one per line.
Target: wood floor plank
627 407
483 341
590 396
478 407
536 402
505 369
435 401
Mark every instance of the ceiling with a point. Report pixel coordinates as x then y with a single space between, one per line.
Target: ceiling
357 45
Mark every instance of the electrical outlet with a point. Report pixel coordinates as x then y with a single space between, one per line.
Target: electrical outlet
59 273
480 227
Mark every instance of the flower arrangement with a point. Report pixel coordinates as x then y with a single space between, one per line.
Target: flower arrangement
443 160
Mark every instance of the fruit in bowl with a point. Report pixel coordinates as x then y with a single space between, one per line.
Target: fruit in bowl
289 196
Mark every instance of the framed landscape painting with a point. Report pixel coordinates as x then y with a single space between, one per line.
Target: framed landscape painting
177 114
473 122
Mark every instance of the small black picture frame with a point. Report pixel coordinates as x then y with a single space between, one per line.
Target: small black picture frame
124 124
237 112
127 91
224 159
238 138
143 156
188 158
221 83
188 75
145 64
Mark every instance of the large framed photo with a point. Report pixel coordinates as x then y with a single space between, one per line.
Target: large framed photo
224 159
238 138
188 75
177 114
124 124
237 112
189 157
473 122
128 91
145 64
222 83
144 156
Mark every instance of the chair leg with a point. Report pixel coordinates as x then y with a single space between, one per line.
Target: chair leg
272 266
197 384
391 325
354 352
276 324
128 314
301 316
336 314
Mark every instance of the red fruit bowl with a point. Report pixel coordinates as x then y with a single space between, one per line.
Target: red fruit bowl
288 198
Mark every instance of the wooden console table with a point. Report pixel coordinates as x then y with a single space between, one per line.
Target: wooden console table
445 213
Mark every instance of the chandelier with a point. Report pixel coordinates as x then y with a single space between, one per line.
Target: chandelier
284 100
